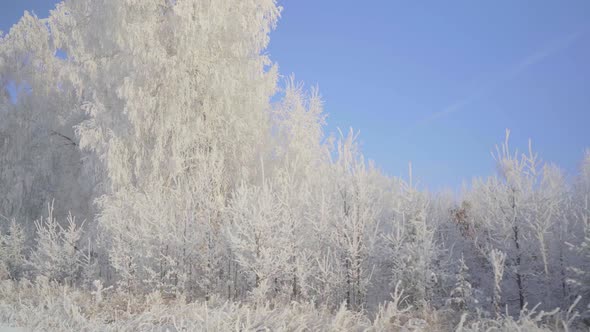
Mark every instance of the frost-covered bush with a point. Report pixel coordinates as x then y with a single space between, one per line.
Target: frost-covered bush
461 295
527 320
57 255
49 306
12 250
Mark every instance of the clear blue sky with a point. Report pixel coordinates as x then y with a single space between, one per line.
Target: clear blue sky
437 83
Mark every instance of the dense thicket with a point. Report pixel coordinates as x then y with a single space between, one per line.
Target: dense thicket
152 122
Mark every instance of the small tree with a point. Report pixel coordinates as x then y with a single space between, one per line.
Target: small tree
57 254
410 247
12 251
462 293
357 208
259 237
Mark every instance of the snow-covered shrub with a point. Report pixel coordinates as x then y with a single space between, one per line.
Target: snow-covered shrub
12 250
58 252
527 320
461 295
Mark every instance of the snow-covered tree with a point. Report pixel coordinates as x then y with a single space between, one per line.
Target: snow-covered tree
58 254
39 155
523 213
168 88
12 250
462 293
301 159
259 237
410 246
354 227
580 244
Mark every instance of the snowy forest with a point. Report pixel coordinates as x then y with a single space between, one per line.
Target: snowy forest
158 173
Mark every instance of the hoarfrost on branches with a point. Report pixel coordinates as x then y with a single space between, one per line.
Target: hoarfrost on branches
215 200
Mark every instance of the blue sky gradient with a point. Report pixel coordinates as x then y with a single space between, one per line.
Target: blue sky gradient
437 83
